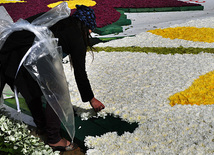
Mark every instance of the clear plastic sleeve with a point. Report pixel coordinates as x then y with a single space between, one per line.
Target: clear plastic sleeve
47 69
5 30
53 16
44 63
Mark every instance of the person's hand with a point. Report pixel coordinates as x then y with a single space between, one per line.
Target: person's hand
96 105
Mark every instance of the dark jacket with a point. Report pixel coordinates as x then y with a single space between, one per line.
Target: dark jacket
70 38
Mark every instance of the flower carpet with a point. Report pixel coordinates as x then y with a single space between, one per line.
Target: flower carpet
106 11
153 89
169 96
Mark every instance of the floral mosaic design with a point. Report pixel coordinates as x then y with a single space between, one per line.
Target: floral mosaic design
138 91
136 87
71 4
11 1
187 33
201 92
104 10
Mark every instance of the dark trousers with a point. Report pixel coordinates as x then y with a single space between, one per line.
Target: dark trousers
44 119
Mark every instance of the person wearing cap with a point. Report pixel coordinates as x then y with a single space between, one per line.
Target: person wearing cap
73 33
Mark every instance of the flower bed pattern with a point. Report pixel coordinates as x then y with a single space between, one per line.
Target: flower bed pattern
201 92
187 33
105 10
136 87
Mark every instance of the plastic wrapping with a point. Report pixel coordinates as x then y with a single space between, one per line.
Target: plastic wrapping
51 17
4 24
47 69
46 20
5 30
43 61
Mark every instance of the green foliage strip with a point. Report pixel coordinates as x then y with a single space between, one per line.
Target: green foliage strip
158 50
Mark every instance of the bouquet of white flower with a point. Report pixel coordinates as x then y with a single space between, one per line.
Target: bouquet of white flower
15 138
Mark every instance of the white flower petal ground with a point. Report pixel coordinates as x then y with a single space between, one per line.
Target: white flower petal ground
136 87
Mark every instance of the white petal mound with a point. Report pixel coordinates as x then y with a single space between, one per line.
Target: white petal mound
136 87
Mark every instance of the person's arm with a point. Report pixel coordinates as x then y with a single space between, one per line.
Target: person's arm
78 61
70 38
77 56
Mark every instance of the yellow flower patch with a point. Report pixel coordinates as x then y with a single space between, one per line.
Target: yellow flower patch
201 92
187 33
73 3
10 1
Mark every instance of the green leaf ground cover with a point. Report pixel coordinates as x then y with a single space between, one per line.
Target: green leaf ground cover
158 50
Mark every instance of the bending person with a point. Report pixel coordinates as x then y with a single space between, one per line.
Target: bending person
73 33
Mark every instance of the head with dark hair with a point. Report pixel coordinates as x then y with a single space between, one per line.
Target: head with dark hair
88 22
86 15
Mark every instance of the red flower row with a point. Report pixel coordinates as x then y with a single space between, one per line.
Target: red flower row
104 9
